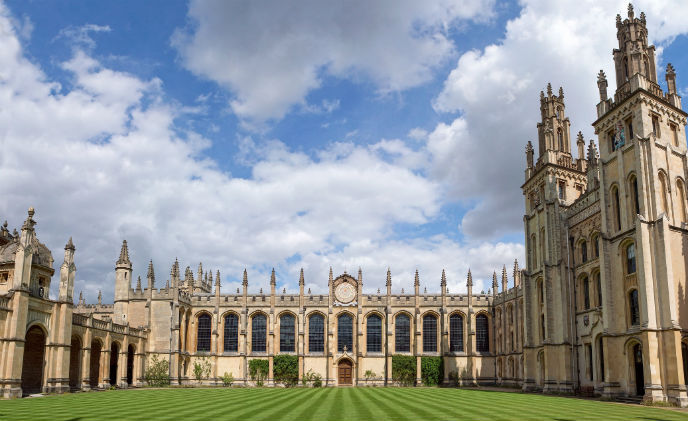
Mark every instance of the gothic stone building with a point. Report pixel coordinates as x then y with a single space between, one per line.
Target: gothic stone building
601 304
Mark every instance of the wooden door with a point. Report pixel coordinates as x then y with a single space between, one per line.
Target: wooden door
345 372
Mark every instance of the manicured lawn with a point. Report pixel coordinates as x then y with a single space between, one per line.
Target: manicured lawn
321 404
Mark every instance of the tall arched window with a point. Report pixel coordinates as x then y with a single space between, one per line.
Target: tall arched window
560 139
374 334
402 333
316 333
616 209
287 342
456 333
598 287
663 193
630 259
542 246
231 333
429 333
586 293
600 356
542 327
345 337
482 342
203 335
258 333
634 309
681 197
584 251
596 245
635 202
534 243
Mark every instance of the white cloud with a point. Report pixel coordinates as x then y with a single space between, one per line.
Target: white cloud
480 155
272 54
103 161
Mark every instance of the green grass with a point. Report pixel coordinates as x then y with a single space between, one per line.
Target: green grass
321 404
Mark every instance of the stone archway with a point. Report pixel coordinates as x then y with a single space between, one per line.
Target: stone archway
94 370
345 372
114 357
75 364
130 364
32 366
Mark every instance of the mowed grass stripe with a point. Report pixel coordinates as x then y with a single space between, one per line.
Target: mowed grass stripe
321 404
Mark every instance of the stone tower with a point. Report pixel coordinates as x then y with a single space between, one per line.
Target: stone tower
122 285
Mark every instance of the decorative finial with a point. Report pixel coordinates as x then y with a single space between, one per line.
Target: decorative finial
151 272
100 298
630 11
443 279
425 290
245 281
561 92
416 279
618 20
494 280
261 291
138 284
549 89
669 71
329 281
378 291
284 291
217 278
642 18
360 275
389 277
301 279
70 245
272 277
469 281
580 138
309 291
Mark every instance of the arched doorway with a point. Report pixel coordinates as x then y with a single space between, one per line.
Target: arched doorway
32 366
345 372
74 363
638 367
114 356
94 366
130 364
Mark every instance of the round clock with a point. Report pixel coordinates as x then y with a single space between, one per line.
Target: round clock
345 293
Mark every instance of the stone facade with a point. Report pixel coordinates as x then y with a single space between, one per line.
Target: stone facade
601 305
606 238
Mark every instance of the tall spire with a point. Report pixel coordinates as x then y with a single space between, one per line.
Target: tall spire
360 276
138 284
469 281
100 298
505 279
151 275
301 278
416 279
124 255
330 279
494 282
517 274
272 277
389 277
244 282
443 279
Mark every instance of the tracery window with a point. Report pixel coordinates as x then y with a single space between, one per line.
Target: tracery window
456 333
374 334
345 338
231 339
402 333
429 333
287 342
316 333
481 333
258 333
203 336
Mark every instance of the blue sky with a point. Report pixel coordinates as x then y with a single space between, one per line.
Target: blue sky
260 135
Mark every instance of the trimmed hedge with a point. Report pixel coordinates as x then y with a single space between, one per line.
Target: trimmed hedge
404 369
432 370
285 369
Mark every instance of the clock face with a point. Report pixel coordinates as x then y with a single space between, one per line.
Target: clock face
345 293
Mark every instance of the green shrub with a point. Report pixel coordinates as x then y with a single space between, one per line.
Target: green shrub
285 369
404 369
258 370
201 368
157 374
314 378
227 379
431 370
369 375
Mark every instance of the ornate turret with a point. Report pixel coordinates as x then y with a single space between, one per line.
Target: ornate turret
505 280
124 256
416 282
602 85
122 284
495 285
443 283
389 282
151 276
553 130
67 273
634 55
517 274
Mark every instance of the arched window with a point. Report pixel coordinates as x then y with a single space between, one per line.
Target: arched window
596 245
374 334
598 287
258 333
481 334
635 202
287 342
630 259
560 139
456 333
542 327
542 246
402 333
231 333
316 333
586 293
541 293
429 333
663 192
681 197
584 251
616 210
345 337
633 307
203 335
600 354
534 243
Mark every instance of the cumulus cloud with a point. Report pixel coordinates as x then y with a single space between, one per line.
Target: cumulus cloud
103 161
272 54
480 155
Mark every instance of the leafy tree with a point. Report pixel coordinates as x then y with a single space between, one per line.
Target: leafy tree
201 368
258 370
285 369
157 373
404 369
431 370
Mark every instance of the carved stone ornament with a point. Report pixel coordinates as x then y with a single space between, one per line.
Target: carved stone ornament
345 293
